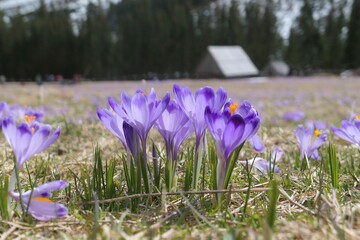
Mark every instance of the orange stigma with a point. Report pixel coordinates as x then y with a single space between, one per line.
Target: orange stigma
358 117
29 119
42 199
233 108
317 132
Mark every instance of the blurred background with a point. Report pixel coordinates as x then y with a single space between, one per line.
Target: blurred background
160 39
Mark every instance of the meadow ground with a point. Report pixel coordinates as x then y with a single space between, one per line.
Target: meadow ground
308 206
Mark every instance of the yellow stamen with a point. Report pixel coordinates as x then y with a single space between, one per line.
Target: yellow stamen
42 199
317 132
33 130
233 108
358 117
29 119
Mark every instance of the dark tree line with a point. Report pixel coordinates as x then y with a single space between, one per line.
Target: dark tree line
166 36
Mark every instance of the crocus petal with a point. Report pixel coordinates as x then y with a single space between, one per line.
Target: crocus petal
37 140
220 99
314 154
262 165
319 141
140 111
23 137
113 123
303 137
233 135
256 143
276 154
46 211
40 207
132 140
9 131
203 97
121 110
343 135
215 122
171 121
251 128
351 130
49 141
43 190
185 99
160 108
182 135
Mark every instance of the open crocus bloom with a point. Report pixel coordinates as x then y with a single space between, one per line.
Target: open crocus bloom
28 138
194 105
247 112
349 131
38 204
304 137
264 166
19 113
229 132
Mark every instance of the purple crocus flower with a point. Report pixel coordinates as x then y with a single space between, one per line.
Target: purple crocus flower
229 132
316 125
295 116
141 111
19 114
349 131
264 166
28 139
113 123
194 106
123 131
39 205
308 147
175 127
247 112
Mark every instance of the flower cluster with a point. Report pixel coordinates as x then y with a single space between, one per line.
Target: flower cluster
176 120
28 138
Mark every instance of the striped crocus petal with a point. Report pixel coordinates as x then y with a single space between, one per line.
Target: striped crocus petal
141 111
194 105
171 122
113 123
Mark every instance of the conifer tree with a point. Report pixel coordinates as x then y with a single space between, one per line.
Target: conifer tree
352 51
